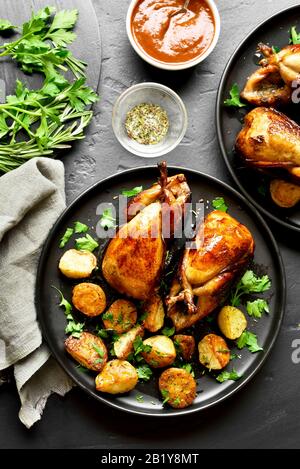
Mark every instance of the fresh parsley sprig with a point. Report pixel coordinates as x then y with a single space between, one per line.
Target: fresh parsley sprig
249 340
234 100
74 328
250 283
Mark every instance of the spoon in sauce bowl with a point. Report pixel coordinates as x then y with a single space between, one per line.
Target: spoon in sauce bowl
181 10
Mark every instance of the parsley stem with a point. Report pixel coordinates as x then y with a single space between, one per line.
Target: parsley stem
19 122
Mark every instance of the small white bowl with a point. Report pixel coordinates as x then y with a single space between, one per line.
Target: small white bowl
153 93
174 66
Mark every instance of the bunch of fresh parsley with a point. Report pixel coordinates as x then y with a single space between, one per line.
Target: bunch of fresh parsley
42 121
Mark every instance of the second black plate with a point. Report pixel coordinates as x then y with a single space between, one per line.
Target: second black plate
276 32
53 321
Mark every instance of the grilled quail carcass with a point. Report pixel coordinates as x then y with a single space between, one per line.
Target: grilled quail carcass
223 249
272 84
134 259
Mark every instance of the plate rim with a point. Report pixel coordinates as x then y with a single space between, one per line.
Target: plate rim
218 111
281 311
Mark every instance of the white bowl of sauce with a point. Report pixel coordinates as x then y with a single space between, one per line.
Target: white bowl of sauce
169 39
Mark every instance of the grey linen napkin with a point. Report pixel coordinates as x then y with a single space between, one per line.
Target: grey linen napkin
31 199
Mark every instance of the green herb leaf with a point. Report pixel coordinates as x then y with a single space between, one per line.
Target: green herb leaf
102 333
248 339
132 192
234 100
5 25
165 395
276 49
107 220
64 19
74 328
295 37
234 356
257 308
189 368
66 237
144 372
168 331
80 227
250 283
139 347
64 303
107 316
176 401
219 204
139 398
98 350
86 244
228 376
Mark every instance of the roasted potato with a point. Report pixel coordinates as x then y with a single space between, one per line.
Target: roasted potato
285 194
117 377
162 352
89 350
178 386
124 345
186 345
155 313
77 264
232 322
121 316
89 299
214 353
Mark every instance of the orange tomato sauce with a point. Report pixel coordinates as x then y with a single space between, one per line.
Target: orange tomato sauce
173 38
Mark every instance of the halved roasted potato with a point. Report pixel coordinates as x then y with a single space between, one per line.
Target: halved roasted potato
89 299
161 353
186 345
77 264
117 377
121 316
214 353
155 313
89 351
124 345
232 322
178 387
285 194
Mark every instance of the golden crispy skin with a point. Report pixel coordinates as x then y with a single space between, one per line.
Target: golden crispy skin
285 194
121 316
178 386
89 350
155 313
214 353
269 139
133 260
186 345
89 299
117 377
224 247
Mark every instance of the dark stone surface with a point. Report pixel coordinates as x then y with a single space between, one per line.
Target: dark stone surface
267 412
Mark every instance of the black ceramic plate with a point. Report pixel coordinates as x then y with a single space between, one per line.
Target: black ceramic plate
53 321
274 31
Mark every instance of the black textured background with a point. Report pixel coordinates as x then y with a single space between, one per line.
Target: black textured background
267 412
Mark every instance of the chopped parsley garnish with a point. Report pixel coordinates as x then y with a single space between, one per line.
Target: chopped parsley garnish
66 237
107 220
257 308
219 204
234 356
234 100
228 376
177 401
98 350
86 244
80 227
73 328
132 192
165 395
250 283
143 317
108 316
82 368
249 340
139 398
102 333
168 331
188 367
139 347
144 372
295 36
276 49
